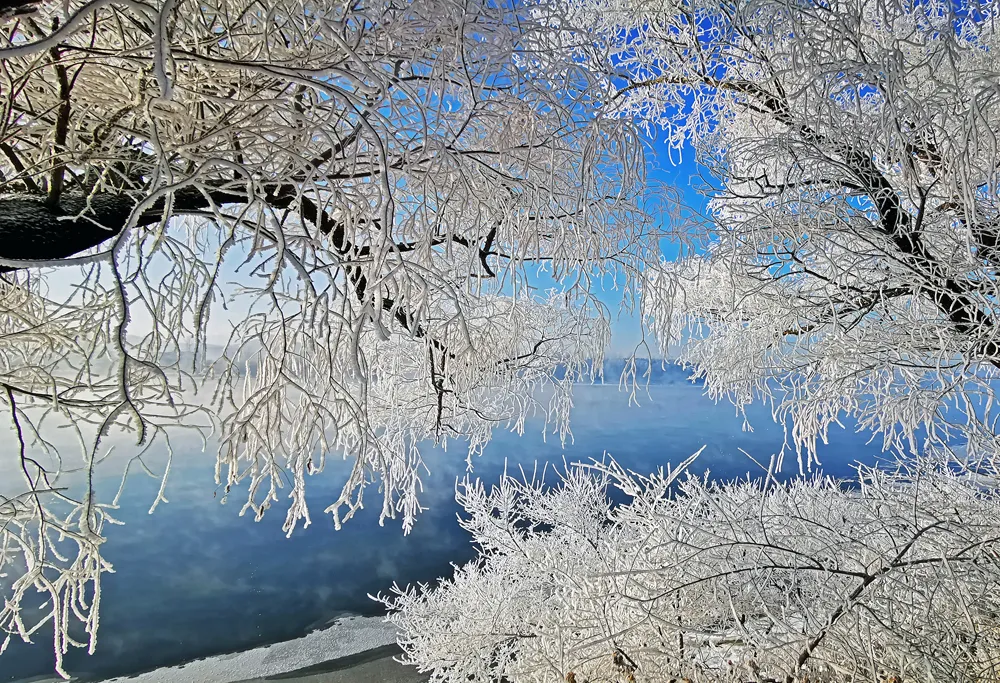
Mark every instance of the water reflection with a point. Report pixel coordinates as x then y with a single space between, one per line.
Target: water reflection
194 579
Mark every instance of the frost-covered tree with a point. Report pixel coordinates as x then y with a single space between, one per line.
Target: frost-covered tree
351 195
848 264
849 259
893 579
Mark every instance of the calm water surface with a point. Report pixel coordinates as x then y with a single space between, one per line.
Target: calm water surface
194 579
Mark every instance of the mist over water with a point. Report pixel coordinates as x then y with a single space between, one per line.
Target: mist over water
194 579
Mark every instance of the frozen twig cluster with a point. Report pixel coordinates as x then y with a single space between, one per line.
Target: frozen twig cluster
55 384
312 227
894 578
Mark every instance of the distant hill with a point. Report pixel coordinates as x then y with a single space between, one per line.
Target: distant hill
660 371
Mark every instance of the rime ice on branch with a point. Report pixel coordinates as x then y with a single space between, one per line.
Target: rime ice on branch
350 197
848 262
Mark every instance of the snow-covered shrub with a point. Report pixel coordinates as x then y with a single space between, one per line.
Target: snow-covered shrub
894 574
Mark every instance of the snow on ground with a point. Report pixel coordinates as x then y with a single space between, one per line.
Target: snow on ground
346 636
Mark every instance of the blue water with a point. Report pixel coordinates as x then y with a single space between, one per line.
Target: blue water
194 579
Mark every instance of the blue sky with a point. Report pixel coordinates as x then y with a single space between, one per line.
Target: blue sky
665 169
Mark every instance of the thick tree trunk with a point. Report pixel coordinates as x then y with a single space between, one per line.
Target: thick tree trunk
32 229
13 8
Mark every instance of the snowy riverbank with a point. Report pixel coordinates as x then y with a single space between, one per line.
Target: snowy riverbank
339 648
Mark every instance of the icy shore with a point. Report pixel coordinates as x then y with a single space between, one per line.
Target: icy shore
346 636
